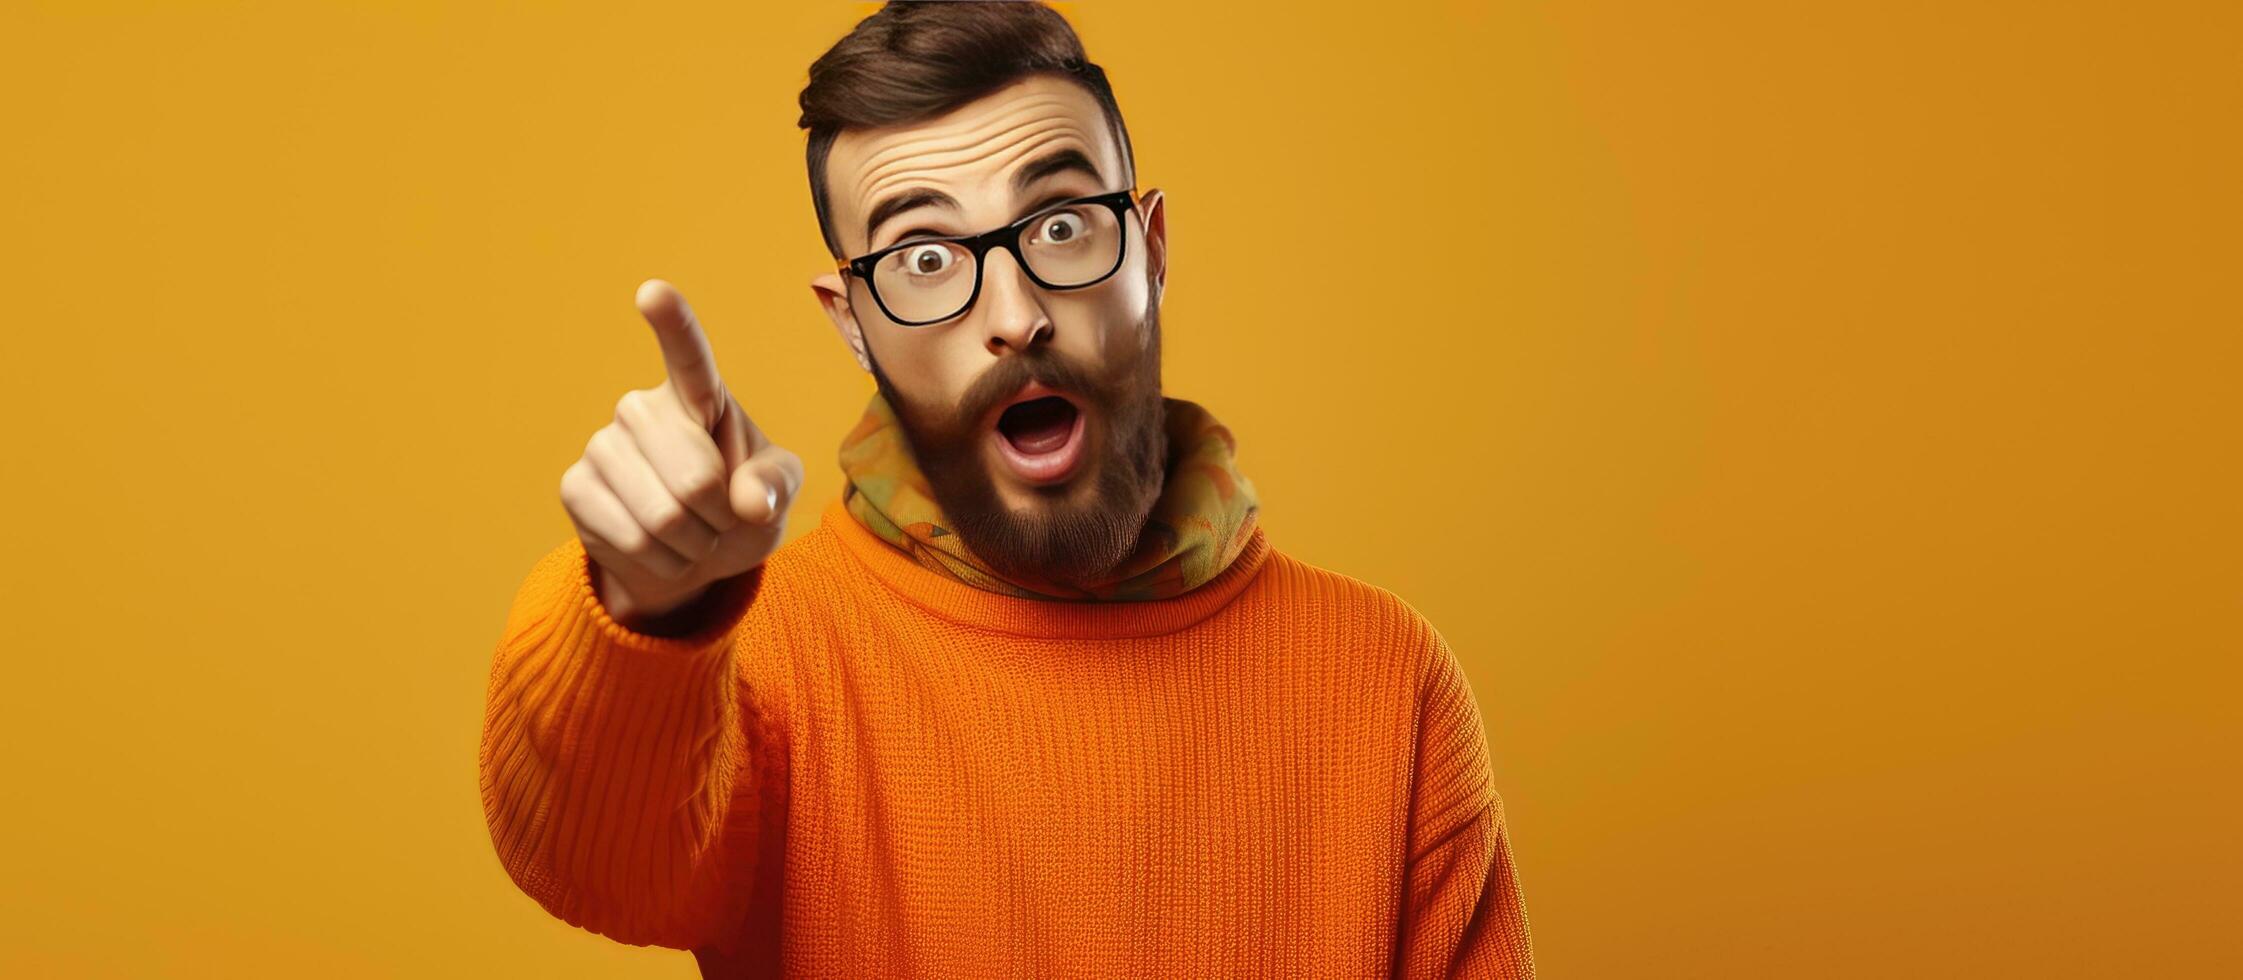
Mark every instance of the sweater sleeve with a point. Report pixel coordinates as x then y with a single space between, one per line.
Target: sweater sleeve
1463 916
609 762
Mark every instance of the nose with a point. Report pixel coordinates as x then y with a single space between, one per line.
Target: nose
1011 312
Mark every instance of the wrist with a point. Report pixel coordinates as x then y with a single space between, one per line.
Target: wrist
655 613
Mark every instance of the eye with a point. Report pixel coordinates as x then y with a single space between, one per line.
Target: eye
1059 228
931 259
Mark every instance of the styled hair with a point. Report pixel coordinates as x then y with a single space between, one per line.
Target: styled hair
916 60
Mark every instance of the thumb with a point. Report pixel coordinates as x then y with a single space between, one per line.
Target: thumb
737 437
763 487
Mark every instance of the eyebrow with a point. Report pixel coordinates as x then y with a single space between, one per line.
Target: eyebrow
1054 163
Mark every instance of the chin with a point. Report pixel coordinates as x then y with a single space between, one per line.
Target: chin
1026 498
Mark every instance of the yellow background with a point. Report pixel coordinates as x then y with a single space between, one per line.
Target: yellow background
1813 425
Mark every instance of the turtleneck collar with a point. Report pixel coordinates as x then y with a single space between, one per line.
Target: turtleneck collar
1202 523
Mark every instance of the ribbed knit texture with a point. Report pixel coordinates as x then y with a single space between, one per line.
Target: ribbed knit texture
861 768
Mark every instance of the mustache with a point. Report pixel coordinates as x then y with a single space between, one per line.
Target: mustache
1000 382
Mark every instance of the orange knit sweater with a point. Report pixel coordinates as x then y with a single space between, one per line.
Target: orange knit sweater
863 768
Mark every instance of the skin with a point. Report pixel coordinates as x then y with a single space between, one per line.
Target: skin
682 489
1099 344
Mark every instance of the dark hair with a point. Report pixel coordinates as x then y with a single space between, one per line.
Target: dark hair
916 60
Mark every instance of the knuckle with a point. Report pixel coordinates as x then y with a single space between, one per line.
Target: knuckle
700 485
604 444
572 482
667 520
629 411
668 568
642 548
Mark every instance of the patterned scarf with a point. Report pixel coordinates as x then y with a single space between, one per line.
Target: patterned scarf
1202 520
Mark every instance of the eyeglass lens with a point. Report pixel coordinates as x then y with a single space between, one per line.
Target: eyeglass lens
1067 246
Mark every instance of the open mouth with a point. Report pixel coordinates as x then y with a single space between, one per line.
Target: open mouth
1040 438
1039 425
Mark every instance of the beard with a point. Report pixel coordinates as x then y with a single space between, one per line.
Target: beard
1060 538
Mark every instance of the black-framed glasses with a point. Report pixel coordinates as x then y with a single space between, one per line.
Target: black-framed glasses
1074 243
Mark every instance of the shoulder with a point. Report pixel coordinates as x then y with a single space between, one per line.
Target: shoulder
1364 619
1343 603
1449 731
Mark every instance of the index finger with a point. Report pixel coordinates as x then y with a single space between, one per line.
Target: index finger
685 349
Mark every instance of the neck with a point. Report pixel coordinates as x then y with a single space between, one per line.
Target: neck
1198 522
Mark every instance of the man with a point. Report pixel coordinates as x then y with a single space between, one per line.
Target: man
1037 696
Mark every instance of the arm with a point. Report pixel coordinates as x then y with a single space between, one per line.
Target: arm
1462 914
610 758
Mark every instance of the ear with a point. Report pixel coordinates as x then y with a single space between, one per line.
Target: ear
832 292
1154 215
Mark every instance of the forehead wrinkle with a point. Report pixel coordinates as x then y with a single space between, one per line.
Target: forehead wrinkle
1008 157
916 155
913 144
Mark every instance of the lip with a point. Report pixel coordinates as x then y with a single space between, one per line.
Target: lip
1051 467
1029 392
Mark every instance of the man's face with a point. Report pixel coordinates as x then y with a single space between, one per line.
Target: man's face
1050 489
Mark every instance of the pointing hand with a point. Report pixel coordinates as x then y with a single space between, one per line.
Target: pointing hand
681 490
